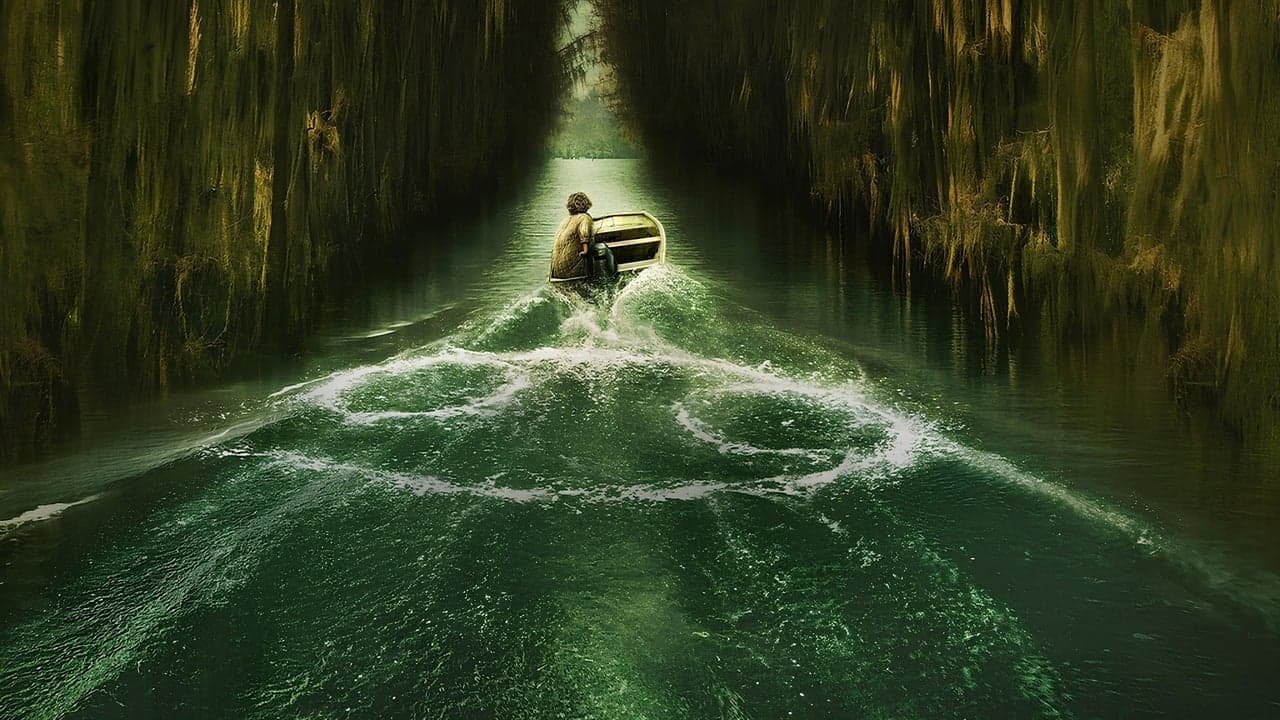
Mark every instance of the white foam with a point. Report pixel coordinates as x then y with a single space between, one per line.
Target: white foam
907 436
701 431
900 452
43 512
513 311
486 405
656 493
296 386
425 484
1081 505
421 485
330 392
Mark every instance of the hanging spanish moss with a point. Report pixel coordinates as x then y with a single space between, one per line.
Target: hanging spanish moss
178 180
1073 167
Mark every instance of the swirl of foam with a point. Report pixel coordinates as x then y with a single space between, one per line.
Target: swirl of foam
335 393
878 442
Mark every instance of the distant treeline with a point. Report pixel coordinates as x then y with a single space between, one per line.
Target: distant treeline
178 180
589 129
1069 166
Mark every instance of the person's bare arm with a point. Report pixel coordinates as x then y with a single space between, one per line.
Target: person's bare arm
586 228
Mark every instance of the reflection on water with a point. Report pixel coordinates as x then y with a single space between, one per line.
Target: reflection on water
749 484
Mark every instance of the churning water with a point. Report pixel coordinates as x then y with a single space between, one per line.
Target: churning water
680 498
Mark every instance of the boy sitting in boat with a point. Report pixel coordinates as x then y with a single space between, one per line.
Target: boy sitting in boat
573 239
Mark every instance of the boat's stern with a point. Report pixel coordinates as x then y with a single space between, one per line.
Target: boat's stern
637 240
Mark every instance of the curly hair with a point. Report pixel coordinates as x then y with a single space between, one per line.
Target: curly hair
578 203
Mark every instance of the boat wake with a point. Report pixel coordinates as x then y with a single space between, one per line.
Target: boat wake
666 478
651 395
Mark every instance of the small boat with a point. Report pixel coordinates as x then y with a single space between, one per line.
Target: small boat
636 239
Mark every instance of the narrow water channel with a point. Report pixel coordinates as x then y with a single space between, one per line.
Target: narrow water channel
753 483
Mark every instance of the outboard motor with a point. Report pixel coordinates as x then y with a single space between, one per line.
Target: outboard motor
601 267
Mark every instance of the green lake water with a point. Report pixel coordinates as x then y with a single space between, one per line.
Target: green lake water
752 483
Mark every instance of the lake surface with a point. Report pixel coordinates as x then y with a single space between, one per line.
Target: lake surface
753 483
